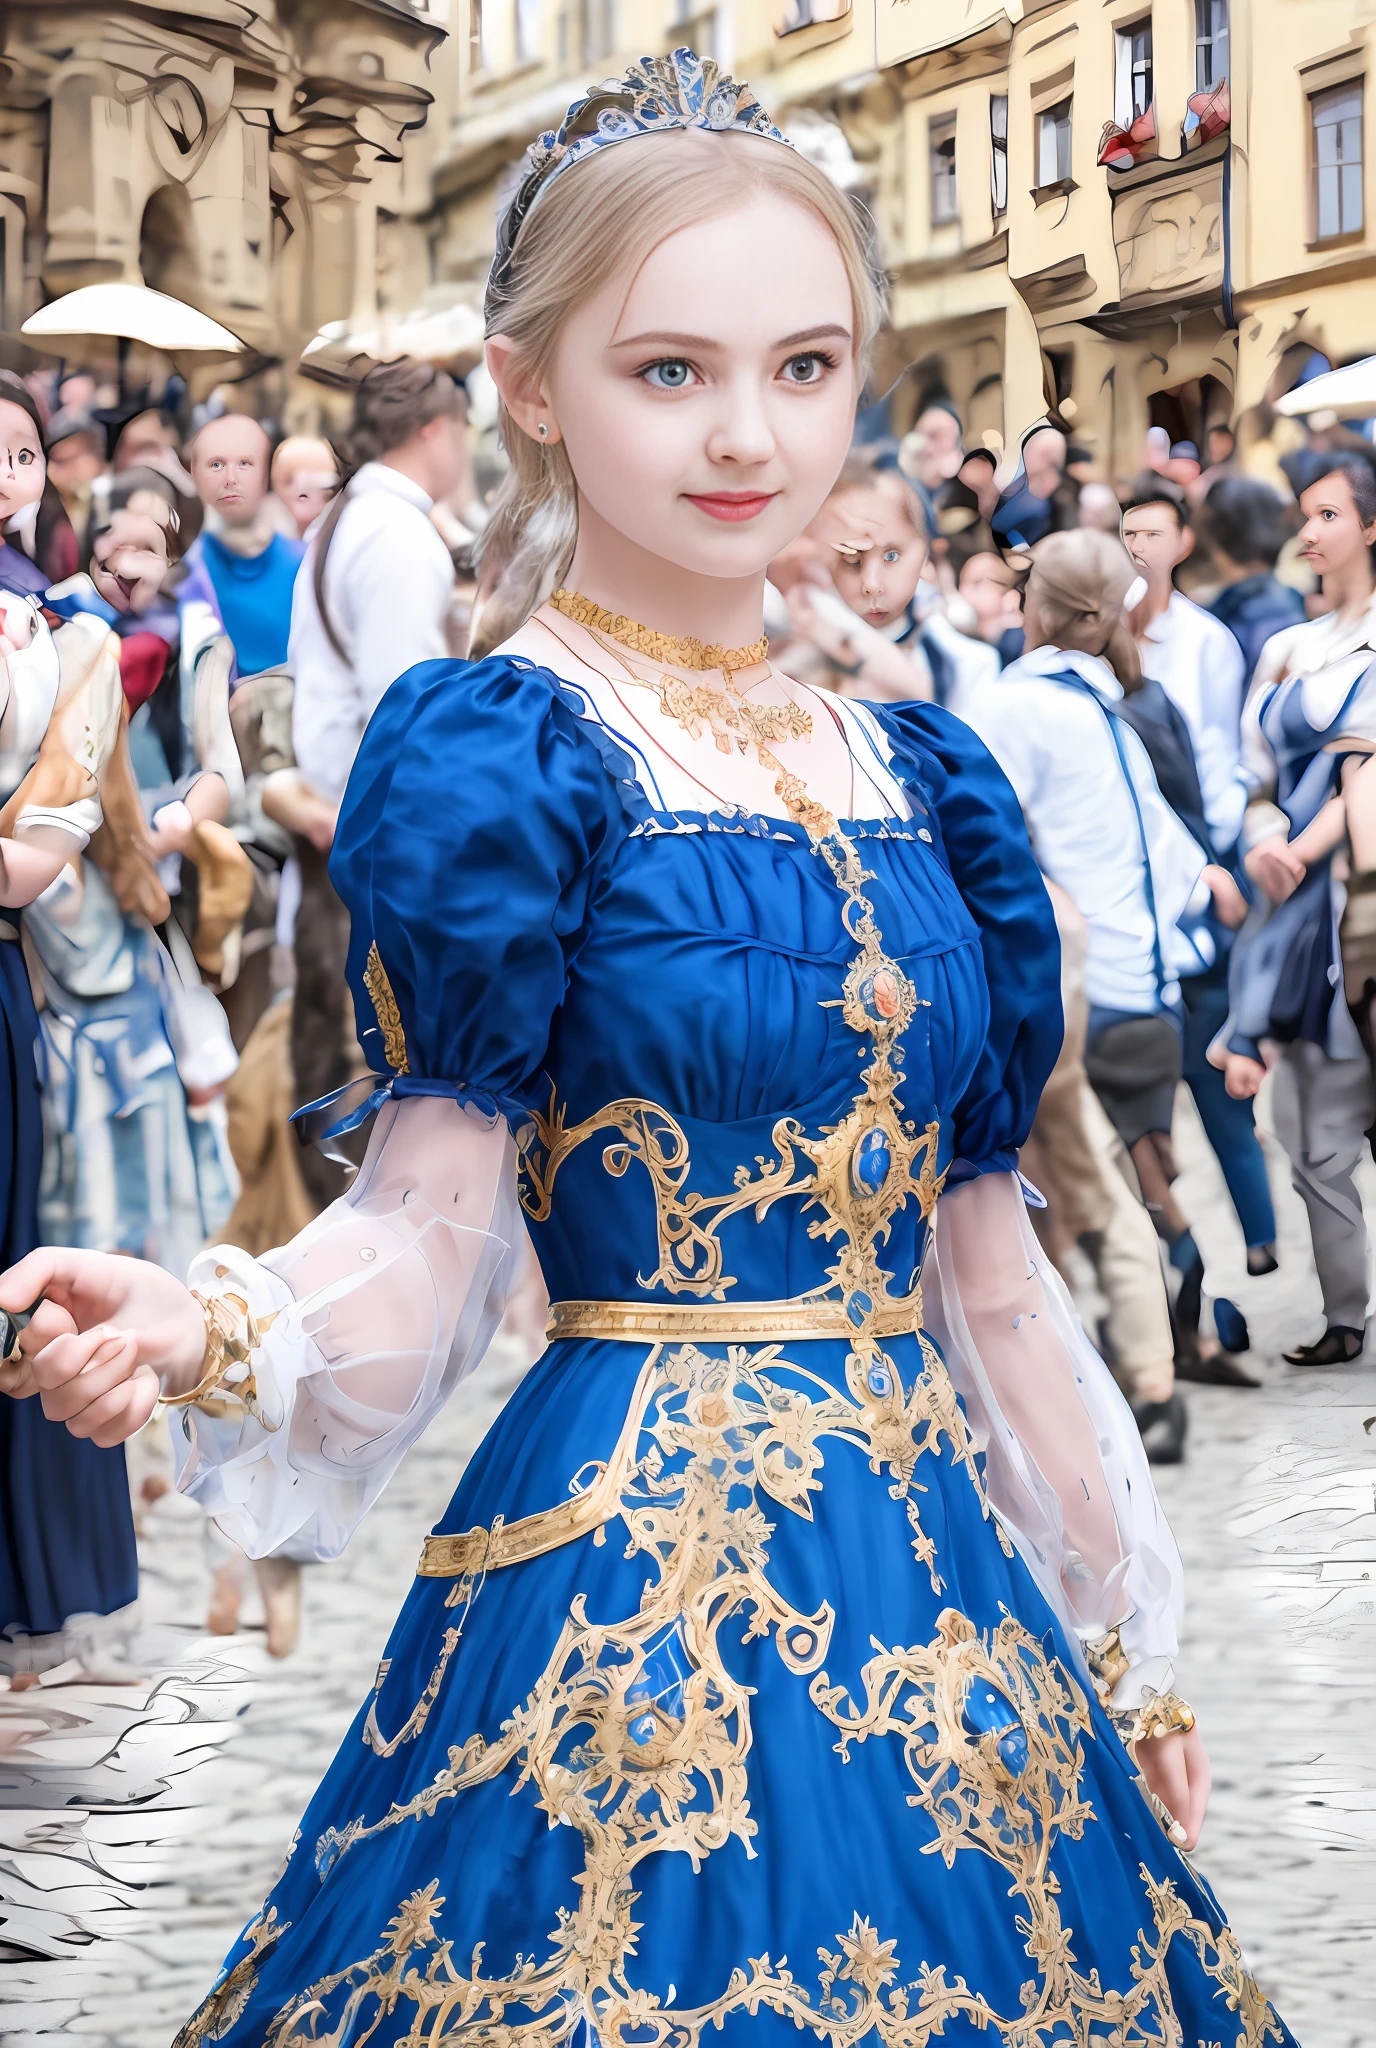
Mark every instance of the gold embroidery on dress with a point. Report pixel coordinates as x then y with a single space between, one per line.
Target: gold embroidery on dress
388 1014
637 1736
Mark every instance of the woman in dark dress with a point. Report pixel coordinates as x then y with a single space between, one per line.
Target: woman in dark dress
67 1550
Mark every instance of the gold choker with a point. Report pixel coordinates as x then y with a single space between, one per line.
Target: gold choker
683 651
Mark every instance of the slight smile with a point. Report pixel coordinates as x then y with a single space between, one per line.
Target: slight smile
732 504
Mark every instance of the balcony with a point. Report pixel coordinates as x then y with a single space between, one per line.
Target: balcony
1168 235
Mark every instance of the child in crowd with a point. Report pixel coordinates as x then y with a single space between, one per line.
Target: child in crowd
991 589
872 533
305 477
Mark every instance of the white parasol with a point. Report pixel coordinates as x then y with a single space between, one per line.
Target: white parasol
1350 393
130 312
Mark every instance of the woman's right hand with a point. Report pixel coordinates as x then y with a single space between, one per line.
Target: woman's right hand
1274 866
108 1336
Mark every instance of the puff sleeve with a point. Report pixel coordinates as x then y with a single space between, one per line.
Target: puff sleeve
472 833
470 842
949 772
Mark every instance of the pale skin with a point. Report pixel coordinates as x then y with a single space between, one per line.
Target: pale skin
33 860
872 555
672 398
229 465
1336 545
305 477
987 588
1158 543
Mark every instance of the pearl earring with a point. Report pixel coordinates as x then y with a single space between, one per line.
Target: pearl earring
543 430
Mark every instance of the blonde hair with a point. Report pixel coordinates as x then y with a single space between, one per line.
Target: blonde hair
1079 580
598 221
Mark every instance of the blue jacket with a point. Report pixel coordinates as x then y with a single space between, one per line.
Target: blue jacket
1255 609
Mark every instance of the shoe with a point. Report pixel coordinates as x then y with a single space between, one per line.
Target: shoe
1337 1346
1189 1300
1162 1425
1231 1325
1218 1370
1261 1259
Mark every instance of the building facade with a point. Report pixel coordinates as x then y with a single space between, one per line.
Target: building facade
1139 212
236 153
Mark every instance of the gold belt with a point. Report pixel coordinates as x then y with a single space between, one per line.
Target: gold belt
473 1551
724 1322
487 1550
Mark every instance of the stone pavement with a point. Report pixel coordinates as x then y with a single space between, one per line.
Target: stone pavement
139 1827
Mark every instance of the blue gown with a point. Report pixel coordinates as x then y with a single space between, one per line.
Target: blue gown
721 1708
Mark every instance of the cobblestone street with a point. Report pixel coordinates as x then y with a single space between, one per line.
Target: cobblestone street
140 1826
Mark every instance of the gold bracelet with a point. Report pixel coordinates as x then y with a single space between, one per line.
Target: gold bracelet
1162 1713
1108 1661
232 1335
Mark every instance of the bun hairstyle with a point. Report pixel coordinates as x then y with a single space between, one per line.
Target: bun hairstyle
599 221
1079 579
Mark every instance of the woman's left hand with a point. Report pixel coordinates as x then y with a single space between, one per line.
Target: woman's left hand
1176 1768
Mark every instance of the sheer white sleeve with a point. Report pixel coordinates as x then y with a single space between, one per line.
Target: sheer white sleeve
367 1322
1065 1471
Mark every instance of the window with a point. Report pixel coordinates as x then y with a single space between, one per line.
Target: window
796 14
1210 44
527 30
941 159
598 27
480 27
1053 144
998 151
696 23
1133 80
1337 118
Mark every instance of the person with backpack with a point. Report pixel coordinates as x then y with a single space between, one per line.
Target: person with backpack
1102 831
371 600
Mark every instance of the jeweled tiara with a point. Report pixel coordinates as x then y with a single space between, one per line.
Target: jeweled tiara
656 94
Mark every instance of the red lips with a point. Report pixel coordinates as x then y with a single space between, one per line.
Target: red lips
733 505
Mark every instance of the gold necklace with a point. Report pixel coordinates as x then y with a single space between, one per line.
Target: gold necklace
682 649
735 723
721 709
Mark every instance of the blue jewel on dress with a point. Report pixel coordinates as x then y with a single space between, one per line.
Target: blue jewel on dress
988 1712
858 1307
878 1380
871 1162
663 1673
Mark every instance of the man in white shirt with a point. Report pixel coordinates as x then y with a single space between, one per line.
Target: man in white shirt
376 585
371 600
1192 655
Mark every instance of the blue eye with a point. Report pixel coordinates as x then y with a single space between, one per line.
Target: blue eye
891 555
809 368
673 374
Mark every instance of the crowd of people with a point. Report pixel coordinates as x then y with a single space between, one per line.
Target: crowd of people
1172 673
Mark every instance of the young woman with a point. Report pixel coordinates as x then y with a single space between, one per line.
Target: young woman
1310 723
68 1566
746 1685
